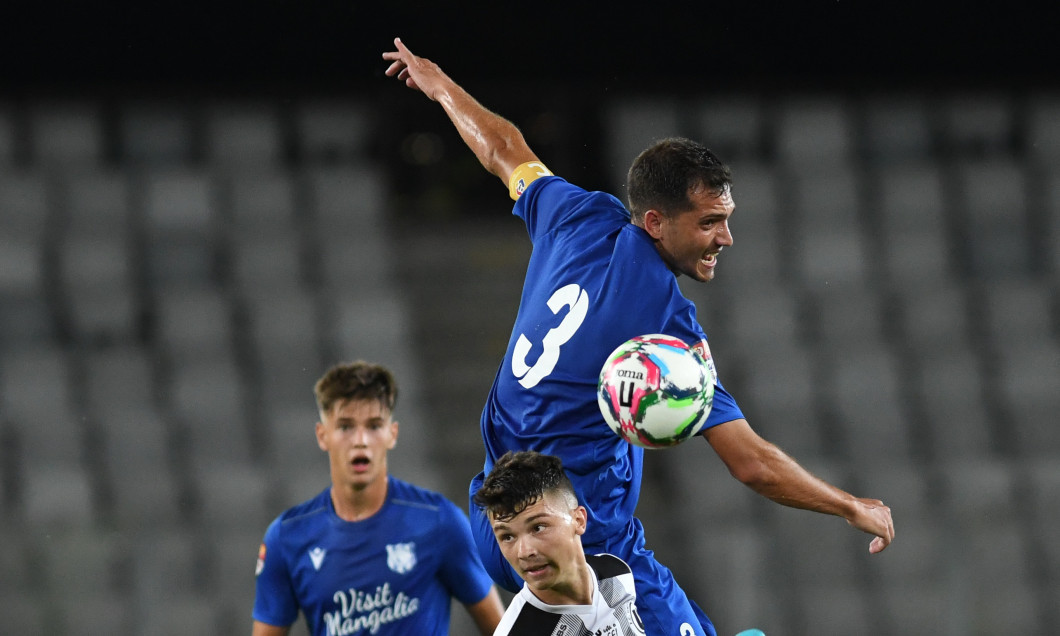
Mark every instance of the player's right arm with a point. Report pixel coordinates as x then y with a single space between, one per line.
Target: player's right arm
264 629
497 142
775 475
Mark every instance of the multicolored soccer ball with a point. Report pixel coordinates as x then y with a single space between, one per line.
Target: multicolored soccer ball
655 391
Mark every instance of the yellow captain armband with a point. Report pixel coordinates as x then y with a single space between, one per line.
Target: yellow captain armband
524 175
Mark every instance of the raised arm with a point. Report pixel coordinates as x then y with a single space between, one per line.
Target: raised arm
497 143
773 474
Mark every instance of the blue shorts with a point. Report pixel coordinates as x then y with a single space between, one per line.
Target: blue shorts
664 607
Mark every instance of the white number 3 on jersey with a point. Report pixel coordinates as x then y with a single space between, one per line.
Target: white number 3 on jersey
572 296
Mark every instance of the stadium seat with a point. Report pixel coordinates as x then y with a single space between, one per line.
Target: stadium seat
827 243
865 390
1043 478
96 612
194 322
26 319
1027 386
1017 313
897 129
632 125
208 397
83 560
780 401
1043 128
57 496
849 315
262 201
243 133
732 126
65 133
935 316
183 612
233 495
950 385
913 224
917 608
119 380
263 265
836 608
156 133
979 490
1050 236
993 194
740 591
7 135
764 317
180 220
25 198
98 278
137 450
814 132
332 131
37 395
26 613
977 124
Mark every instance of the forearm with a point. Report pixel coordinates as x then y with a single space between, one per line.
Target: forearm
497 143
772 473
776 476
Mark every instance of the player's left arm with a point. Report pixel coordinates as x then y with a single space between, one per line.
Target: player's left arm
487 613
774 474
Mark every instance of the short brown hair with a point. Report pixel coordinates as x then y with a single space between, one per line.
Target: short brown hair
519 479
358 380
662 177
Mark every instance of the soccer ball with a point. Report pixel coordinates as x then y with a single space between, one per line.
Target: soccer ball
655 391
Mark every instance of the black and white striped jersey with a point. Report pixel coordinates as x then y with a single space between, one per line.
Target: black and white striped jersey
613 611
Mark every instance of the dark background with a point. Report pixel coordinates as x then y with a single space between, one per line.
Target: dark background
278 45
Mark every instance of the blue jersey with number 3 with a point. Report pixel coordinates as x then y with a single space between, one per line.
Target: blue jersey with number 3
594 280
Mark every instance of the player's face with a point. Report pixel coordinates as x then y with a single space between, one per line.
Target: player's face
691 242
542 543
356 434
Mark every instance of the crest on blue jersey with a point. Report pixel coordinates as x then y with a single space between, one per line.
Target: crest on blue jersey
401 557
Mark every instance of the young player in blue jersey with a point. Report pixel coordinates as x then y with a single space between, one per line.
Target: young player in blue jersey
600 274
371 553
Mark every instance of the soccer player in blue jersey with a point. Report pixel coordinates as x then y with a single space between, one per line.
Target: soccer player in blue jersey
371 553
600 274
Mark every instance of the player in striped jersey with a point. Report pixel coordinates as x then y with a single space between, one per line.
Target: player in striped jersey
538 524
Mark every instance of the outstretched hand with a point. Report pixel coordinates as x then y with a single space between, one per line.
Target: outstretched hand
873 517
418 73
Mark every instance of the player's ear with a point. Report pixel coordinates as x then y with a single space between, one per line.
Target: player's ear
653 223
321 439
393 435
581 517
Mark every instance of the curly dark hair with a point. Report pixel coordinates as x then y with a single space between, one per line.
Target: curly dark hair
664 174
358 380
519 479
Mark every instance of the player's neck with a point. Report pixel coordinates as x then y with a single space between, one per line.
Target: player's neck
577 590
354 503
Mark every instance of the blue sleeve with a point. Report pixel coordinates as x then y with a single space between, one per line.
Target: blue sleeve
551 201
724 408
462 572
274 601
